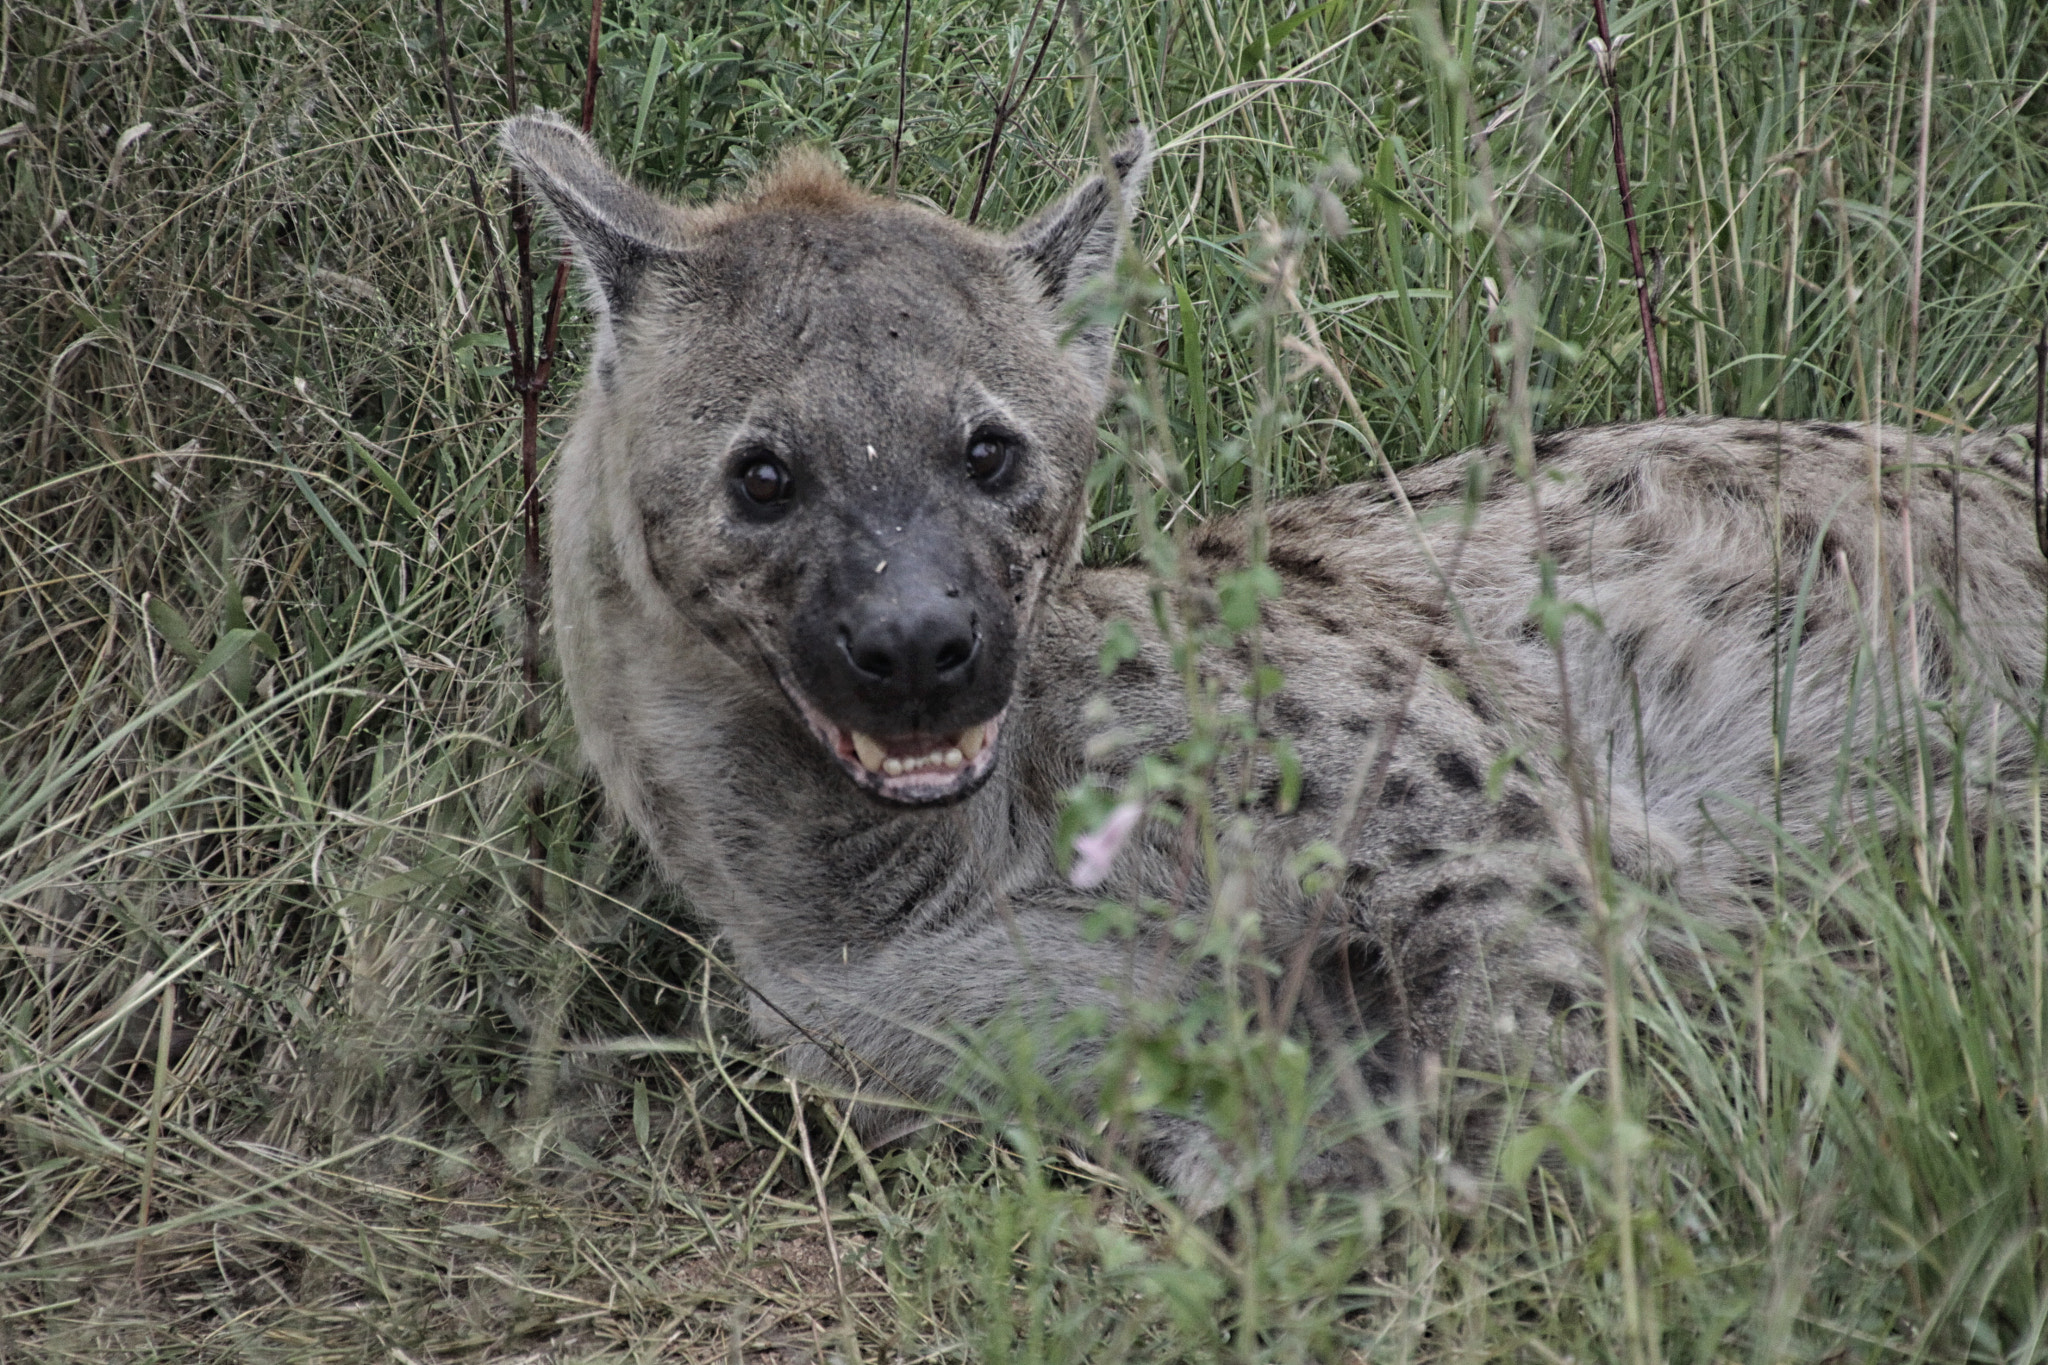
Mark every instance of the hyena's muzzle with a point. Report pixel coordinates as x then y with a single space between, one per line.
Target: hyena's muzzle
903 658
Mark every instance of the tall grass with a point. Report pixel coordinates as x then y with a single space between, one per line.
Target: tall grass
290 1070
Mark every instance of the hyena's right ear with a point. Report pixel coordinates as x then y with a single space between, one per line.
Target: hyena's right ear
617 229
1070 247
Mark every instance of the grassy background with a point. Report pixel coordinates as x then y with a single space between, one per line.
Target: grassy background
287 1069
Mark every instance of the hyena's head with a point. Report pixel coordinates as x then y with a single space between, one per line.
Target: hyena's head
846 438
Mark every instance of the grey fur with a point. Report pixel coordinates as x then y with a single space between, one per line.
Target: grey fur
859 340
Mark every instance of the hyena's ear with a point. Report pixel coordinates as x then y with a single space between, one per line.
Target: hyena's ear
1072 244
617 229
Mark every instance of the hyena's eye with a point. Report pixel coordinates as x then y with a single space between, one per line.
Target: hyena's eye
762 482
990 456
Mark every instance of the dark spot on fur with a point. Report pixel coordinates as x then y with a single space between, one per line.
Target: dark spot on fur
1561 904
1617 492
1330 622
1628 647
1732 486
1646 536
1787 616
1941 562
1483 890
1833 431
1457 770
1940 663
1522 818
1832 549
1358 725
1797 530
1724 601
603 559
1386 671
1295 716
1678 677
1397 791
1551 444
1299 564
1420 854
1437 897
1307 796
1215 547
1529 632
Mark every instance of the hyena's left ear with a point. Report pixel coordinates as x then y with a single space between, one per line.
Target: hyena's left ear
618 230
1072 244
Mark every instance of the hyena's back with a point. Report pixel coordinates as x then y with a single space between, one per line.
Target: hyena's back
1725 569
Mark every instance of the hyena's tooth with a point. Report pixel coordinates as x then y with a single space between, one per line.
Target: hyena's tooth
954 758
868 750
893 766
970 742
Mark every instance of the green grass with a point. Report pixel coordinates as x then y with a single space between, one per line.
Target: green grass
288 1070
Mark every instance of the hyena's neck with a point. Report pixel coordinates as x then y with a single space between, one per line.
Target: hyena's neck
772 841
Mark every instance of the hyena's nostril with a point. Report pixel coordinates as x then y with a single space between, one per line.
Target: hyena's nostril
955 652
871 658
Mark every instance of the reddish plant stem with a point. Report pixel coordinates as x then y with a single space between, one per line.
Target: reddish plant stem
902 100
590 67
1604 60
555 295
530 367
1006 106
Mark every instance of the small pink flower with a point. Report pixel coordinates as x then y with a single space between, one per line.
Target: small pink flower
1094 853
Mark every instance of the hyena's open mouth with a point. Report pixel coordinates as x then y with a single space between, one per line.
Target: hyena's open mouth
913 769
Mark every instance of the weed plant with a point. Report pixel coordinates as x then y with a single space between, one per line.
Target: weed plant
290 1069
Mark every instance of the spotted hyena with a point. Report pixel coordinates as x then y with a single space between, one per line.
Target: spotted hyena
820 615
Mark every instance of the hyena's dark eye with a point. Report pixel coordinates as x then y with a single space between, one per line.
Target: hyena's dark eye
990 455
762 481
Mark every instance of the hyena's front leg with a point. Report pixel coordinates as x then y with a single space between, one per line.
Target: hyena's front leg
904 1023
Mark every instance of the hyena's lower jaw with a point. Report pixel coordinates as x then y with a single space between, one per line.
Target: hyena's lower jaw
911 770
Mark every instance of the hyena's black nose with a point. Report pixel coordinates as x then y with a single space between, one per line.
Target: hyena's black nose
913 640
910 650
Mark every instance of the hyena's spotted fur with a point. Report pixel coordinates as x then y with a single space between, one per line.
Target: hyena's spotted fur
728 654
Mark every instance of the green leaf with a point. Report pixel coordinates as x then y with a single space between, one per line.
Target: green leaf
1518 1157
654 67
384 478
341 537
172 627
1290 773
1120 643
1240 592
230 657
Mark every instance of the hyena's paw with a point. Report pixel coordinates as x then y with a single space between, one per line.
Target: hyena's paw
1205 1174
